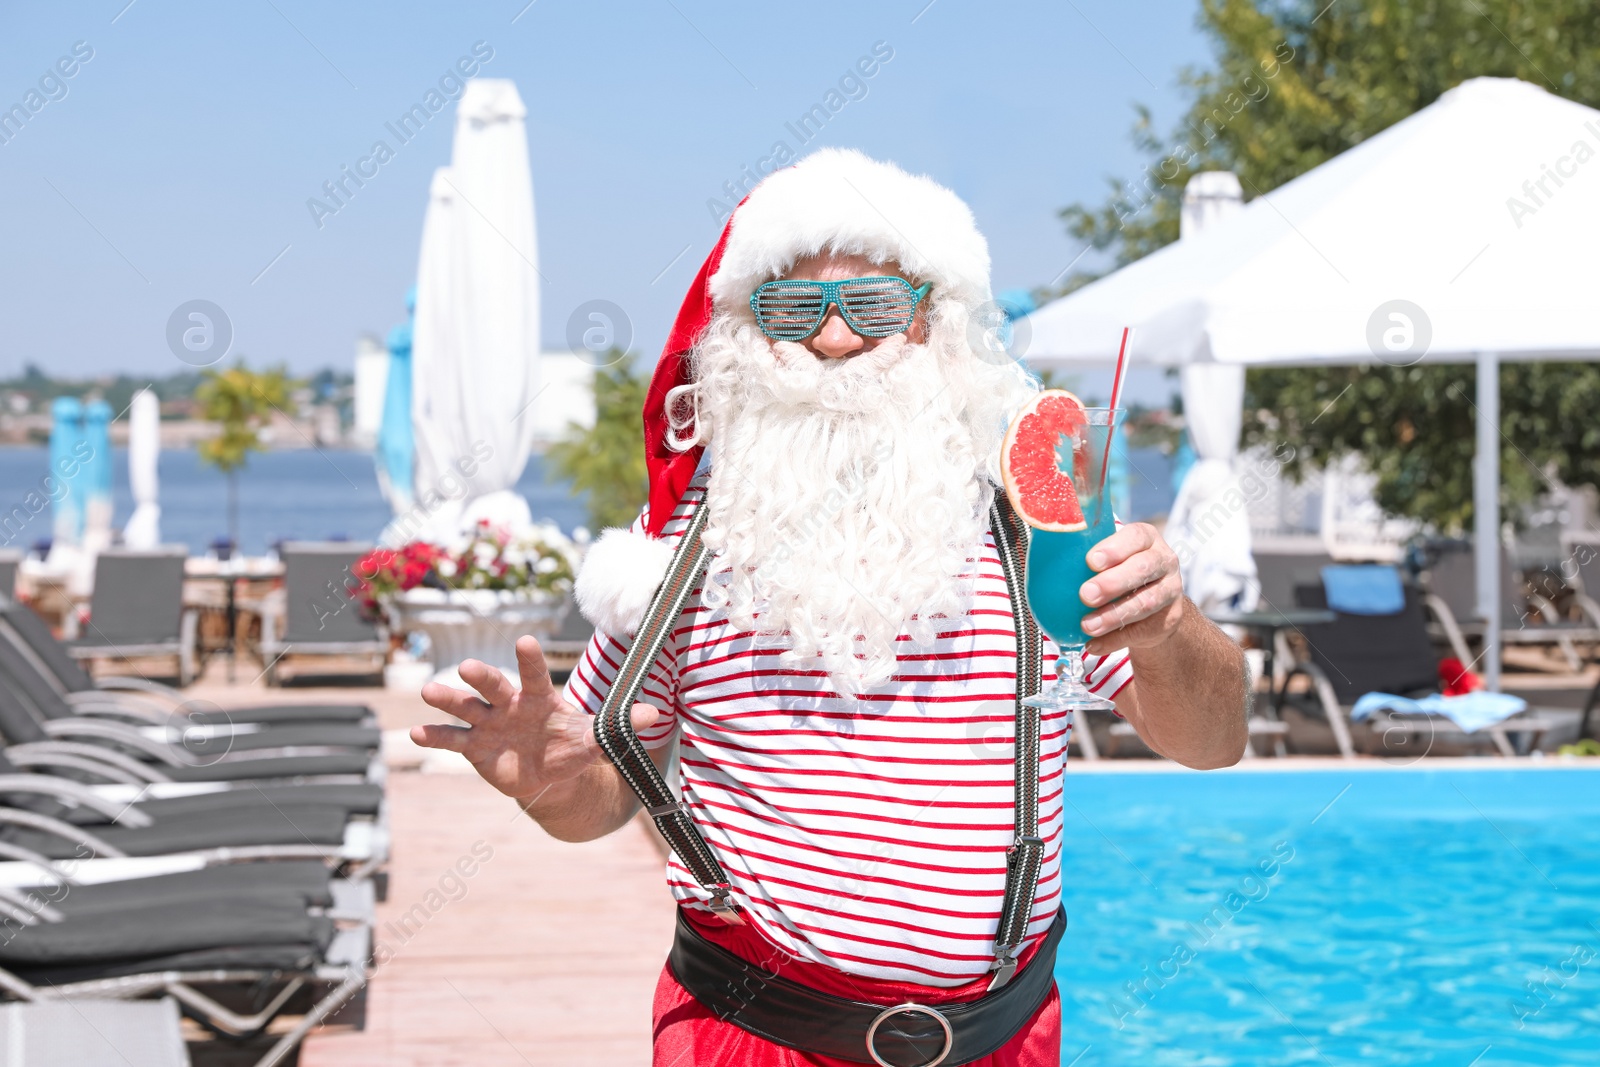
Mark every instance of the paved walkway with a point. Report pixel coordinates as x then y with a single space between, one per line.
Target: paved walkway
547 954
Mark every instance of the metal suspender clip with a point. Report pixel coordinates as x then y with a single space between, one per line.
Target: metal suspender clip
662 810
1004 966
722 903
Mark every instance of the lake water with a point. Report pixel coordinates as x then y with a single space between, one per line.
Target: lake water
1372 917
314 494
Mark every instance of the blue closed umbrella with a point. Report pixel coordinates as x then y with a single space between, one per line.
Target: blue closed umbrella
68 449
396 446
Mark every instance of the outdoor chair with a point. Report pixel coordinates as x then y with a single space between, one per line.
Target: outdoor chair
10 560
51 658
137 610
239 945
1526 618
1280 572
1359 654
319 616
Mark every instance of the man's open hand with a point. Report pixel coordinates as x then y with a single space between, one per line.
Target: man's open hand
1137 589
523 741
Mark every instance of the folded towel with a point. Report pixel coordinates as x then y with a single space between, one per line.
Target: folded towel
1363 589
1470 711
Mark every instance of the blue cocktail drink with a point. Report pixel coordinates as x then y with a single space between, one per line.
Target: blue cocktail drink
1057 568
1055 461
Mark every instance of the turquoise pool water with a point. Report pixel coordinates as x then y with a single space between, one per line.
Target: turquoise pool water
1445 917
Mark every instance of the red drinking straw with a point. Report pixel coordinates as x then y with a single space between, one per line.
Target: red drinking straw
1122 366
1116 395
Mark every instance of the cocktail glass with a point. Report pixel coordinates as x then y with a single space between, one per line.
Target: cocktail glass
1058 562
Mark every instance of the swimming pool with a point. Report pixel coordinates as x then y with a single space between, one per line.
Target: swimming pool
1331 917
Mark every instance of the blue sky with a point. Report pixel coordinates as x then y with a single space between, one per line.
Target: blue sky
179 160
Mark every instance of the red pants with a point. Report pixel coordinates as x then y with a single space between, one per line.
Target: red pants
688 1034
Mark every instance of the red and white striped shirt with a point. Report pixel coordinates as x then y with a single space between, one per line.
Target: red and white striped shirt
865 834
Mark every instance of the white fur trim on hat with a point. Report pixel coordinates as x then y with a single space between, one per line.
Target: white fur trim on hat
620 575
841 200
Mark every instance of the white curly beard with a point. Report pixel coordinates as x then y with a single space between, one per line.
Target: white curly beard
847 496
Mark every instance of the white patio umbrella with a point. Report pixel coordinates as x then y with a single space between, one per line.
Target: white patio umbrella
144 456
1463 233
476 345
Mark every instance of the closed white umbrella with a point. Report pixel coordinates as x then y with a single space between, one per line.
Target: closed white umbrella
144 457
1463 233
1209 526
475 351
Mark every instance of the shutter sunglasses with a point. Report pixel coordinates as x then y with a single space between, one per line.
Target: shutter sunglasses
792 310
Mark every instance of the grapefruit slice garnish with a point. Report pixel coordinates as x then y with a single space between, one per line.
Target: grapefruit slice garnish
1040 490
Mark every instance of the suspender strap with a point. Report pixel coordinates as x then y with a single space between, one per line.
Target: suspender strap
1026 854
614 730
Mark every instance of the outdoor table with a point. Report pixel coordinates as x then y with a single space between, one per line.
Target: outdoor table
229 572
1265 625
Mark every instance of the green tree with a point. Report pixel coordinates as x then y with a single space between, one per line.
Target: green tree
606 461
240 401
1293 85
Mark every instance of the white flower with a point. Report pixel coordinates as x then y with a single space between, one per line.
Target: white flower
447 567
547 565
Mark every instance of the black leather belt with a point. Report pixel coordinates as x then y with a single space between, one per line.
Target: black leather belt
901 1035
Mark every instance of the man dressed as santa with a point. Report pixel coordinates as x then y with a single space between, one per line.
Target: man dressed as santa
857 819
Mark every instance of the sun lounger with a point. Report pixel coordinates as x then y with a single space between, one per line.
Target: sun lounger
1526 618
273 930
1580 567
1359 654
319 617
137 610
64 818
336 786
123 752
209 732
53 662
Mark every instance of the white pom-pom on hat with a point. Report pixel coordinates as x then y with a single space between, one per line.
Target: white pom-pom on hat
619 577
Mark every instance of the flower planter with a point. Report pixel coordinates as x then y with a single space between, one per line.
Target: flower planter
481 624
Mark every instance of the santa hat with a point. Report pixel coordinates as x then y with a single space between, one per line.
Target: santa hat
837 200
